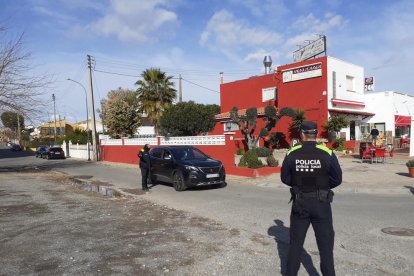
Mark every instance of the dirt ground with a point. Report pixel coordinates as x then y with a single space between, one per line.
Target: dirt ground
51 227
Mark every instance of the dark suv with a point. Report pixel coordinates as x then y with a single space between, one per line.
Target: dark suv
185 167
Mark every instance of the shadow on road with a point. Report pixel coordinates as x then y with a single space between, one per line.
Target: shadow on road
192 189
281 234
403 174
411 188
8 153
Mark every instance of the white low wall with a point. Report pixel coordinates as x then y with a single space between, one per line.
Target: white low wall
78 151
194 140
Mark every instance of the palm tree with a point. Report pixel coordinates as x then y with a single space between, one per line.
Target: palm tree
297 119
155 94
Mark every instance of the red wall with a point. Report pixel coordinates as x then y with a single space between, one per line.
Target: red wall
246 93
128 154
224 153
307 94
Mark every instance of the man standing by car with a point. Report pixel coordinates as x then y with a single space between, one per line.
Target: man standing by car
311 170
144 164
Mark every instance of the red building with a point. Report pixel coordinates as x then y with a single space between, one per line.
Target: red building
321 87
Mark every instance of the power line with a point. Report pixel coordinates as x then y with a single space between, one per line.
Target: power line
115 73
193 83
127 75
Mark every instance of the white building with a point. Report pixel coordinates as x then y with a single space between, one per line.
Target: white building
392 112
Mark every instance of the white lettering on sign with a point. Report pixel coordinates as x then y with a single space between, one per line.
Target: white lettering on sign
307 165
304 72
313 49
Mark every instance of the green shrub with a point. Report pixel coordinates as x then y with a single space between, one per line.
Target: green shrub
262 152
272 161
340 148
410 163
240 151
250 160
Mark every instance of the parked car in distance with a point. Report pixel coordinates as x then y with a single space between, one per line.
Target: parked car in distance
40 151
185 167
54 153
15 147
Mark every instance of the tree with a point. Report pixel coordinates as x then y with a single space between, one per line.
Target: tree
335 124
77 136
9 119
188 119
155 94
120 112
247 123
19 87
297 119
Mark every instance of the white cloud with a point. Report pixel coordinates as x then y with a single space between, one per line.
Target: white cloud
313 26
225 31
135 21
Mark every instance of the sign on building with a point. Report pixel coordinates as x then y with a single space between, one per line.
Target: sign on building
303 72
369 84
313 49
269 94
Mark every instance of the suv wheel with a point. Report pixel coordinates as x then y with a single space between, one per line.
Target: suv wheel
178 182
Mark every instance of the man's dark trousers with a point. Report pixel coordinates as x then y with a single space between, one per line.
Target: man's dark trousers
144 174
320 215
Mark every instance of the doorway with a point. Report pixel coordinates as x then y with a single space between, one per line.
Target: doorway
352 130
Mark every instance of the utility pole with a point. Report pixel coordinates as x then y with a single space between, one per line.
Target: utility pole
19 131
94 144
54 112
180 89
87 117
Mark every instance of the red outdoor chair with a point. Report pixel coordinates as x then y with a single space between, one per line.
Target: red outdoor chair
390 153
365 154
380 154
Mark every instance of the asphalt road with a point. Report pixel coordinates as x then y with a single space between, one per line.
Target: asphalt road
361 248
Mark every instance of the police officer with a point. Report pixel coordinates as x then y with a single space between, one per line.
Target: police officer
311 170
144 164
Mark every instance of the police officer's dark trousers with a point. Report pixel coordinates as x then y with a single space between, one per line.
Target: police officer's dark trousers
318 214
144 174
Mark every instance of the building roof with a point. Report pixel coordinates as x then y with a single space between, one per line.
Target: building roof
61 123
241 112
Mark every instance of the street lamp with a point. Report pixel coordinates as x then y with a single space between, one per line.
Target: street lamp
87 117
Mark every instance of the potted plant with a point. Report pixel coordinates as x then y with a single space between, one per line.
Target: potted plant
334 125
410 166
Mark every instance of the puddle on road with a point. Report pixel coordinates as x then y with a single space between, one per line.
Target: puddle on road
95 187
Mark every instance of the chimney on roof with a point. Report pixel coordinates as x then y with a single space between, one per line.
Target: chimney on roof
267 62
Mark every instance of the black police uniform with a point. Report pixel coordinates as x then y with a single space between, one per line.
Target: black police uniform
311 170
144 164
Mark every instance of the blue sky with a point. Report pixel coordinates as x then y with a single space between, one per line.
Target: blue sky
200 39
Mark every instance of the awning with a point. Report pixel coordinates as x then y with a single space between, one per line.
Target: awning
351 112
401 120
347 103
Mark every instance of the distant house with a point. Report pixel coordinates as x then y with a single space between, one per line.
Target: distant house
88 124
48 130
146 129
